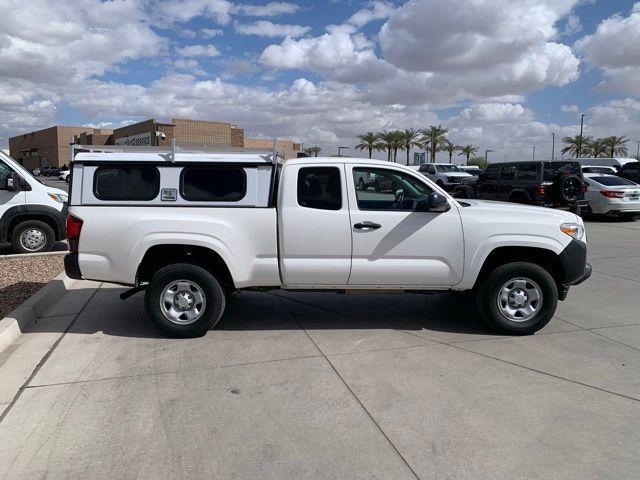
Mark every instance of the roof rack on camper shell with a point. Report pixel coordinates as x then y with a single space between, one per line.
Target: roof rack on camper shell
118 153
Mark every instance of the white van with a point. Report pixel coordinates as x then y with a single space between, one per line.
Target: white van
616 163
32 215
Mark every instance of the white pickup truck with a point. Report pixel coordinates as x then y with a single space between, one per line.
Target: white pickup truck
191 228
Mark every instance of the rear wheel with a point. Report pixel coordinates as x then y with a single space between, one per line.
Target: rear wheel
518 298
185 300
32 236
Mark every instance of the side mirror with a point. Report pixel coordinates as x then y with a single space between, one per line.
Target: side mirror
13 182
437 203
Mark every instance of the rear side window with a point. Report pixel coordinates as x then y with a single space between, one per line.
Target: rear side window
554 169
527 172
319 187
136 183
508 173
211 184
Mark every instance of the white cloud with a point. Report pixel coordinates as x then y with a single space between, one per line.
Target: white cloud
271 9
180 11
569 108
264 28
377 10
198 51
614 48
211 32
495 113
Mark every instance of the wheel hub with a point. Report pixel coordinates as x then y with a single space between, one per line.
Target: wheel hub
184 300
32 239
520 299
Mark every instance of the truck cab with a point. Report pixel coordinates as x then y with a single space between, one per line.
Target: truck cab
200 226
32 215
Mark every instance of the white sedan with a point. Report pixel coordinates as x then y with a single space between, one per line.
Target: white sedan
609 194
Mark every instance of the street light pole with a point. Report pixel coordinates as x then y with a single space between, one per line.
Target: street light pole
533 158
581 125
485 157
638 150
553 146
340 150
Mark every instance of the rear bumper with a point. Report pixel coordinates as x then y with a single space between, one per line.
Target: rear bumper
71 266
576 268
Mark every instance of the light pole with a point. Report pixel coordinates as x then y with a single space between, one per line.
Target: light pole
340 150
638 150
533 158
485 157
581 125
553 146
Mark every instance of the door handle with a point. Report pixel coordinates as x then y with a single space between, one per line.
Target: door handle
367 225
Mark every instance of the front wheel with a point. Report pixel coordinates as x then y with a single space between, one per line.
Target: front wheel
518 298
32 236
184 300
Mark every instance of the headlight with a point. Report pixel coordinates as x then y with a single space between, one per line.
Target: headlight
58 197
574 230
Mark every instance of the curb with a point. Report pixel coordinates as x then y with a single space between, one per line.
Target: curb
12 326
43 254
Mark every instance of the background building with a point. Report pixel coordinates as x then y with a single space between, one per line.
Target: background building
50 147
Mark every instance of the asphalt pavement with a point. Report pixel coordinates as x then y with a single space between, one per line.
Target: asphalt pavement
328 386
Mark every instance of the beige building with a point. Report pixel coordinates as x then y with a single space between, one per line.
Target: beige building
288 148
48 147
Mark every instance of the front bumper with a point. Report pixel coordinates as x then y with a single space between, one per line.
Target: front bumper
576 268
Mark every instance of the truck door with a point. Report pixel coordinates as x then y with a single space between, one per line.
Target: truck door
314 227
394 243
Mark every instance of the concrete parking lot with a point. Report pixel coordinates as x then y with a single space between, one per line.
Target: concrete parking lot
327 386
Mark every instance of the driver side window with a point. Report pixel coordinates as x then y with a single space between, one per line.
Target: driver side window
386 189
4 173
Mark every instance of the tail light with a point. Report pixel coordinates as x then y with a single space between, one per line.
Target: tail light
612 193
541 190
585 188
74 225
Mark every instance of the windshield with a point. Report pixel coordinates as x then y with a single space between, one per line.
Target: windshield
16 166
447 168
610 181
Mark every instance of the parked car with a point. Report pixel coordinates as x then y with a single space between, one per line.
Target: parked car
557 184
446 175
64 175
474 170
49 171
201 226
616 163
376 181
630 171
610 194
594 169
32 215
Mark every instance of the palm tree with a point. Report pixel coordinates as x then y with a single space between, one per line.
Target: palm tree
434 137
575 145
387 141
397 142
315 150
410 139
597 148
449 147
369 141
616 145
467 151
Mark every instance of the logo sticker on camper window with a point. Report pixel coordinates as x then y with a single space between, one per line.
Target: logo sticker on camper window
169 194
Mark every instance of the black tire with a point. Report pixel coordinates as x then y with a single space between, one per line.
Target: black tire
519 198
487 297
41 239
569 188
214 305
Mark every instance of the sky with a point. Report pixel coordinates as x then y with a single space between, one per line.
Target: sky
499 74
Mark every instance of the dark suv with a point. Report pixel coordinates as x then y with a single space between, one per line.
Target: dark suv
556 184
630 171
